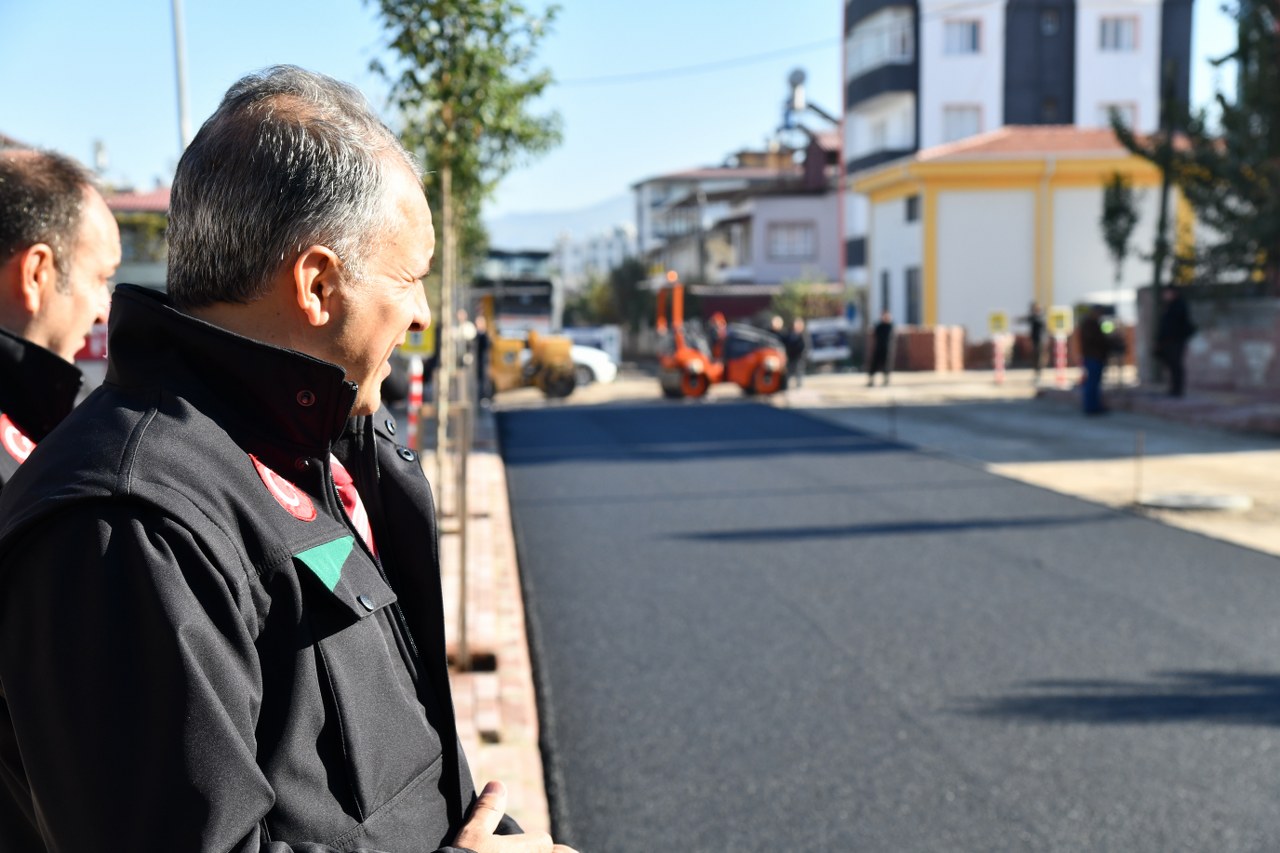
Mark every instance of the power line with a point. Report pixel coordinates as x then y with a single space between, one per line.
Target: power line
703 68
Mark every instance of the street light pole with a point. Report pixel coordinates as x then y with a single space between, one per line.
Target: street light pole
180 61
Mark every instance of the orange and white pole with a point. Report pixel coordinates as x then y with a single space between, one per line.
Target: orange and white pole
1060 361
415 401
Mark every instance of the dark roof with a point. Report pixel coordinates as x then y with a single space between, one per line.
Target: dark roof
724 173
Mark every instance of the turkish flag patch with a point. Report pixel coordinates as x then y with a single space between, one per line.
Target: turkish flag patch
286 494
14 441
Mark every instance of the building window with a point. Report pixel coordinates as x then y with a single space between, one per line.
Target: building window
1050 22
885 38
960 121
1118 34
884 290
792 241
1049 109
962 37
913 208
879 135
914 313
1128 113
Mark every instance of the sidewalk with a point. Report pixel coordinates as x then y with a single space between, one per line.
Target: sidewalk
495 702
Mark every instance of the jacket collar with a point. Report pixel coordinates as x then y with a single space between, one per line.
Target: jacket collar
37 387
279 399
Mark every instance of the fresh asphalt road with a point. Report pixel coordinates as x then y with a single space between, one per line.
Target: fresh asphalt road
755 631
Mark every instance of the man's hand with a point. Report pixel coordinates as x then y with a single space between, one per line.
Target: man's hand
477 832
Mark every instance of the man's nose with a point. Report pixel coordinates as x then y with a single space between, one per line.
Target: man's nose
421 313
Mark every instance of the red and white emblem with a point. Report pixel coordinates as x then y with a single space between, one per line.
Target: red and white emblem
14 441
286 494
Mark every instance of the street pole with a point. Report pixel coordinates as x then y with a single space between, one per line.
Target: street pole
1162 223
180 61
444 358
463 439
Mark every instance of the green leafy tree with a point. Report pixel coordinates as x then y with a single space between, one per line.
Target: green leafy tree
142 235
633 300
593 305
798 298
1230 172
1119 218
463 83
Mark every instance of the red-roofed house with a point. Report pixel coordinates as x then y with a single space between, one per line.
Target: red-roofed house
143 217
997 221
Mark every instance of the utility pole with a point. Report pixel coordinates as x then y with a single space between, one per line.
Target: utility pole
180 61
1162 223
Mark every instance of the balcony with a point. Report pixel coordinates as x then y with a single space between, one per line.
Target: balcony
882 80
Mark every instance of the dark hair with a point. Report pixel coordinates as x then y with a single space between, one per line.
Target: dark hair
42 197
290 159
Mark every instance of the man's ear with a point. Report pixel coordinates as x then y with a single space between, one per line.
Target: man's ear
38 275
316 274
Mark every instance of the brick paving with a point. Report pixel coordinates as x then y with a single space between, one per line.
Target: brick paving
495 701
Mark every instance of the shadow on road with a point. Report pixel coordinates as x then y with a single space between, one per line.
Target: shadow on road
897 528
1233 698
872 488
673 433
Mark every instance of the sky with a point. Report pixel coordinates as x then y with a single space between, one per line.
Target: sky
642 88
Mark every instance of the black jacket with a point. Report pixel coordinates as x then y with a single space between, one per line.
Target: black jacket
197 652
1175 327
37 390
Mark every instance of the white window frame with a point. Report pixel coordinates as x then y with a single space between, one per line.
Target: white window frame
962 37
1118 33
879 134
792 241
885 38
1128 111
950 110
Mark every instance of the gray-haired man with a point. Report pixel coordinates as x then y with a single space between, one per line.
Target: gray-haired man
220 612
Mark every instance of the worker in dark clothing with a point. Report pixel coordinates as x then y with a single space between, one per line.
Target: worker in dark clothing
797 347
1172 333
484 388
881 349
1034 322
1095 349
59 245
221 620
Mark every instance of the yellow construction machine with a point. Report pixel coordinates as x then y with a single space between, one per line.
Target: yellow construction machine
548 366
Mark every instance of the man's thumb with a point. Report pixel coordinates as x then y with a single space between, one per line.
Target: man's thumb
488 810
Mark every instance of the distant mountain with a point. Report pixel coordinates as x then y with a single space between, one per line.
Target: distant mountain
539 230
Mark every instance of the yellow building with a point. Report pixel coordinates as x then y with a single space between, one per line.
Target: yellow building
997 221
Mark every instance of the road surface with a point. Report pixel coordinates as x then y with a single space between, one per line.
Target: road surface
755 630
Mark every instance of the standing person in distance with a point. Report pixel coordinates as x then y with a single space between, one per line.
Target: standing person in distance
1095 349
59 247
1172 333
221 624
1034 322
881 349
797 347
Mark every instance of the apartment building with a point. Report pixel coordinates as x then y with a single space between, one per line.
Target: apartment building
925 73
